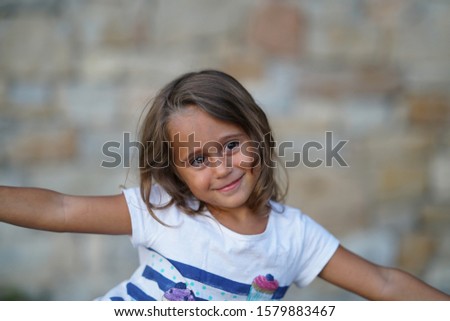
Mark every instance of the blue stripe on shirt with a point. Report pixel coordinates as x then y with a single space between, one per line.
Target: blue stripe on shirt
137 294
163 283
211 279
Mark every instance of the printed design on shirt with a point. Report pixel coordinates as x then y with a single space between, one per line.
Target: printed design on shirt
263 288
179 293
166 275
161 275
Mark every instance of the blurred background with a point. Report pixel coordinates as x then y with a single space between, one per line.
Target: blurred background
376 73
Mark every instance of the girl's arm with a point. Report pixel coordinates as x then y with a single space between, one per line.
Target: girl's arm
374 282
52 211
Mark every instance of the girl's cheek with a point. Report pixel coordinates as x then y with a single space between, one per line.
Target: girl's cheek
249 154
200 179
245 159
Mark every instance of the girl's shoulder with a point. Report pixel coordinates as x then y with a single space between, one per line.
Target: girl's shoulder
161 205
158 195
291 217
285 211
148 223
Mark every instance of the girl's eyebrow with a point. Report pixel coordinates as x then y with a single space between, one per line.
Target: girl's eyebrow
231 136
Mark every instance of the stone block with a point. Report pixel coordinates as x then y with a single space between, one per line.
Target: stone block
397 144
319 193
103 66
114 26
385 12
402 216
278 28
3 93
35 46
416 250
182 25
325 82
244 66
48 7
49 144
436 218
413 42
378 245
429 109
439 177
401 181
377 79
429 75
445 138
307 116
371 81
364 115
278 89
133 103
342 34
30 97
436 272
89 105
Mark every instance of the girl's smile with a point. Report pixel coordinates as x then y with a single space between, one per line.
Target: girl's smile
230 187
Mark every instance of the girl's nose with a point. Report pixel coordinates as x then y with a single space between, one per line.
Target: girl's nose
222 166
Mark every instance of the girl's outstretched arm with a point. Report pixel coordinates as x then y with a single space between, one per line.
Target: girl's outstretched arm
48 210
374 282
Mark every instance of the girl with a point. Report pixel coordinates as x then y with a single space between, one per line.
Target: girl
207 218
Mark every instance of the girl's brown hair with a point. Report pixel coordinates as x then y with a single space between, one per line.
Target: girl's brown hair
223 97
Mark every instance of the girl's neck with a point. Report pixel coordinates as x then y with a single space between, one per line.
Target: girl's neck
241 220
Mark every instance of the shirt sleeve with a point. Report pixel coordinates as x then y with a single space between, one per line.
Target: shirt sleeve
318 246
141 220
145 229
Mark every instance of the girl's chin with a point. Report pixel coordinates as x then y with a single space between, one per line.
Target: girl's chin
231 205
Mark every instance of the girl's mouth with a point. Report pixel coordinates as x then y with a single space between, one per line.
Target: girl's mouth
233 185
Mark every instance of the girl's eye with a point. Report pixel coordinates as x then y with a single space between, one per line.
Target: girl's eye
197 161
232 145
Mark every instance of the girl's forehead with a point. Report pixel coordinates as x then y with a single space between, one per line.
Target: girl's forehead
194 122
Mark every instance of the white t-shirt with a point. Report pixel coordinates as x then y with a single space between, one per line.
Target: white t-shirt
197 257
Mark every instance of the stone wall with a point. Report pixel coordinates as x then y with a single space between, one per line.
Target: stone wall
375 73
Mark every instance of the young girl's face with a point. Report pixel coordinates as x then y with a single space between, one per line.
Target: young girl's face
213 159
